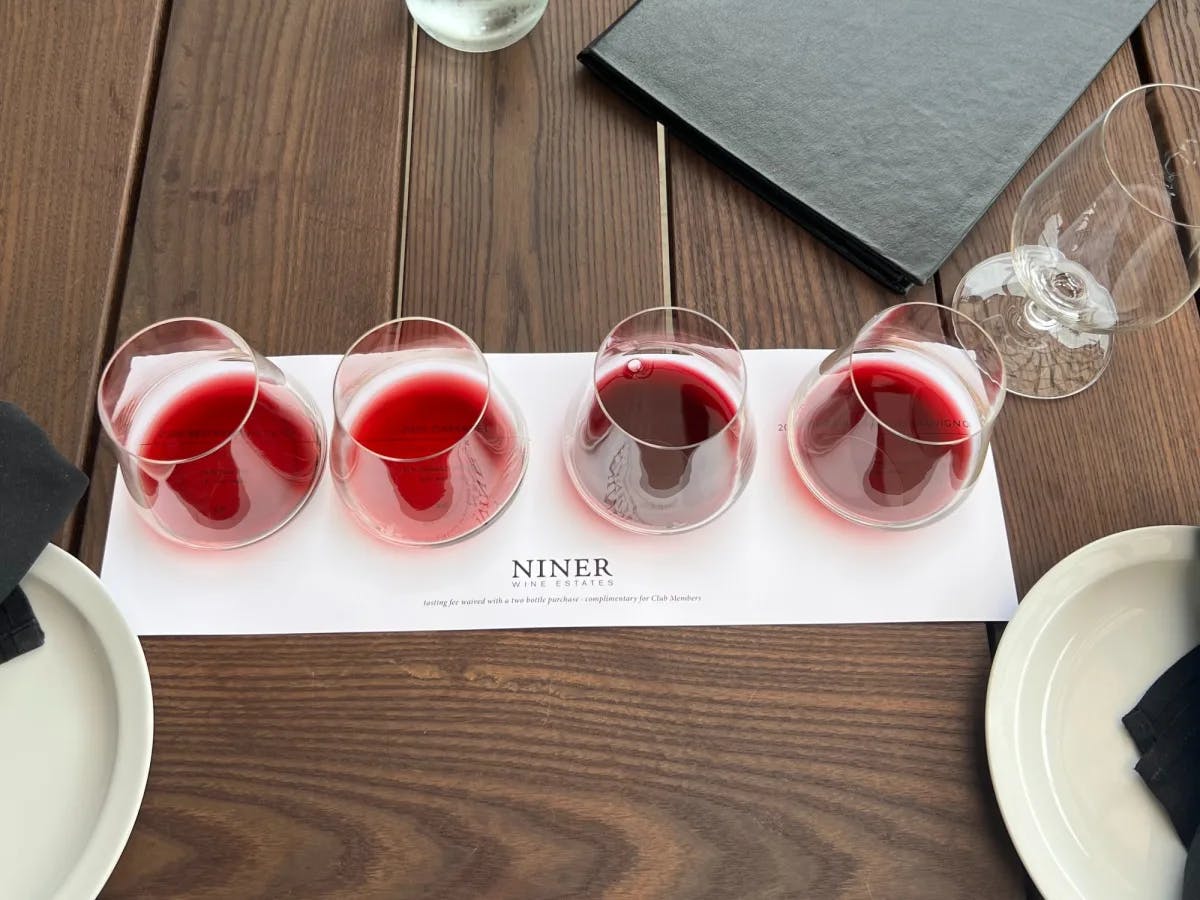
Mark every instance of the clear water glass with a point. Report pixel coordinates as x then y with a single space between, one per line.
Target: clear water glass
477 26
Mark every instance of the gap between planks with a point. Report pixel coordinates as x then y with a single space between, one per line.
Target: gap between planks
87 451
664 215
407 104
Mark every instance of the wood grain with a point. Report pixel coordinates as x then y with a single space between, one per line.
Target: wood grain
1123 453
533 212
272 178
74 82
1169 42
272 182
615 762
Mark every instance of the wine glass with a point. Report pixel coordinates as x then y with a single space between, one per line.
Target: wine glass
217 447
427 445
1105 239
892 429
662 440
477 26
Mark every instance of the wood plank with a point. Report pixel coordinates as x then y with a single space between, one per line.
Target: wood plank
534 215
270 201
1169 42
740 260
76 80
606 762
1123 453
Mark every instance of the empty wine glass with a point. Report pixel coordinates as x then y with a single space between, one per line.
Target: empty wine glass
218 448
1105 239
661 440
892 429
427 445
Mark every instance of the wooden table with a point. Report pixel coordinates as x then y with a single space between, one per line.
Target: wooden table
304 169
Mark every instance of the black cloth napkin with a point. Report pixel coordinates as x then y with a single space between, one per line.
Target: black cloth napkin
1165 727
19 628
38 490
1171 769
1167 704
1191 871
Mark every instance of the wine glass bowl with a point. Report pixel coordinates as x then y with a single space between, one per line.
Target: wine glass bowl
1106 239
427 445
661 440
217 447
892 430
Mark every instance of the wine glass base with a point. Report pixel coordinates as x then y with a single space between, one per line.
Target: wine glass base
627 523
1043 359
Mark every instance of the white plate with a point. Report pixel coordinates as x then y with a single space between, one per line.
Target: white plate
1087 641
76 724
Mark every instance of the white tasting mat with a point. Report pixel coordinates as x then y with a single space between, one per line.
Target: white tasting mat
75 741
775 557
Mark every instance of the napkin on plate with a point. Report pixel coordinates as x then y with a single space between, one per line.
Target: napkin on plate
1166 706
38 490
1191 871
1165 727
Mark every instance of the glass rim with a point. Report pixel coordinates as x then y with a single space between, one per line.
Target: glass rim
1112 170
1002 384
400 320
739 406
236 339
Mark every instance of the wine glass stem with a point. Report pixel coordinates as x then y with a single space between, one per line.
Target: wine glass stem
1036 320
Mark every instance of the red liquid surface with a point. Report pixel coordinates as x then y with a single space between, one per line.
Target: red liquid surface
436 469
672 404
244 488
889 475
666 403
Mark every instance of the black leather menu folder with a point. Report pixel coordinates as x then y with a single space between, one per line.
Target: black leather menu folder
886 127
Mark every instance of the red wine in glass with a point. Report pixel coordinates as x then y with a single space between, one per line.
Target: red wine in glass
662 442
671 406
217 446
242 463
427 454
888 440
